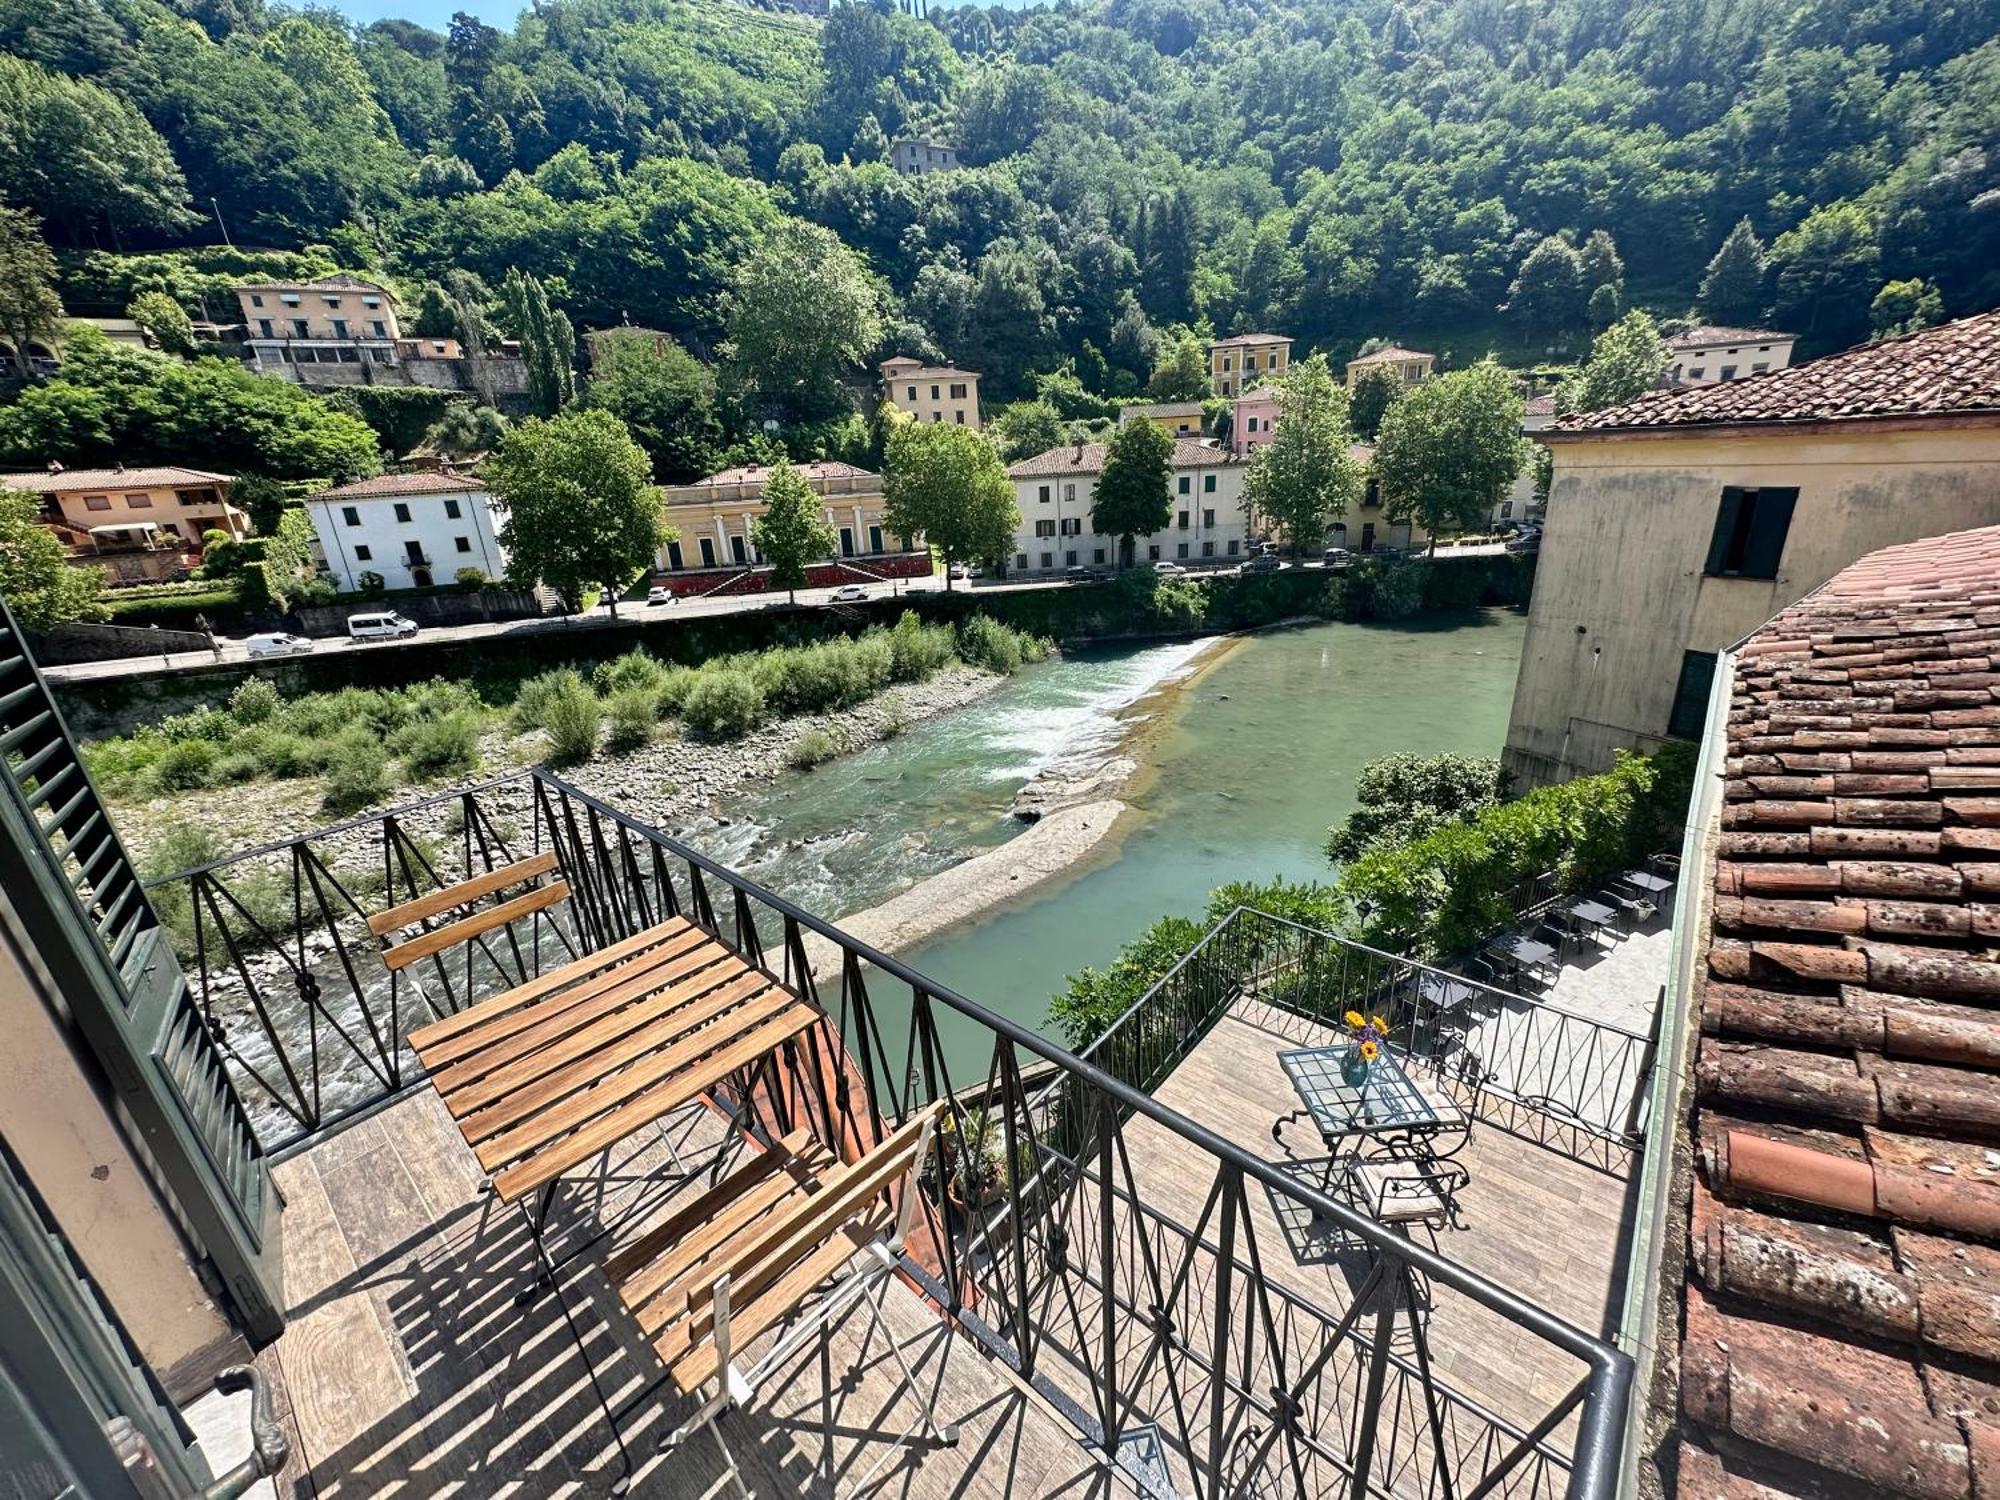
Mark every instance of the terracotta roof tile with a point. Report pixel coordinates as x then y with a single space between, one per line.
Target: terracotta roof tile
1393 352
1952 370
386 486
1842 1319
1088 458
39 480
1717 333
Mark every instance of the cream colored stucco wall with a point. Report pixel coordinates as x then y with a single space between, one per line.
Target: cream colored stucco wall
74 1152
720 520
925 395
1619 592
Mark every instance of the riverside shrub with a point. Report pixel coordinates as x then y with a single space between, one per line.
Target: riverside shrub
446 746
637 668
185 764
634 713
918 651
357 771
985 642
725 703
532 701
254 701
572 719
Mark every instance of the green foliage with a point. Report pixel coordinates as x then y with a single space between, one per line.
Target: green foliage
1826 269
663 395
465 431
793 532
1304 479
1131 497
36 579
81 156
1626 361
917 652
30 310
535 696
823 677
1405 796
1441 893
185 764
803 311
1025 428
1904 307
401 416
1548 292
634 713
548 342
254 701
1376 389
572 718
1449 450
441 747
471 580
1182 374
724 703
813 748
947 483
1732 288
357 772
579 506
985 642
637 668
165 319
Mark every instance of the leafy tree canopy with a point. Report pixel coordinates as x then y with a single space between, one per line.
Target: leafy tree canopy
1626 361
1131 497
793 532
1304 478
665 397
36 580
1376 389
1449 450
947 484
1405 796
803 312
578 506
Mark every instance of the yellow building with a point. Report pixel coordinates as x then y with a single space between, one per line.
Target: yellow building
1412 366
140 524
1364 526
1236 364
330 320
1680 522
931 393
1181 419
713 516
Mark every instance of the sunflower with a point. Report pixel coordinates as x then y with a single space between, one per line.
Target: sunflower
1353 1018
1379 1024
1370 1051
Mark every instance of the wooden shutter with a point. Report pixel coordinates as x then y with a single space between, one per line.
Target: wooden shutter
1726 516
1690 711
1770 521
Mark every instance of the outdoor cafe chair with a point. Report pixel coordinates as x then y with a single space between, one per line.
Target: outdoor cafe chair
1408 1186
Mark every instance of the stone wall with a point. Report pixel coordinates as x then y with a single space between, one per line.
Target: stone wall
476 608
81 641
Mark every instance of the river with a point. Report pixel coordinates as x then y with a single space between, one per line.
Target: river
1243 769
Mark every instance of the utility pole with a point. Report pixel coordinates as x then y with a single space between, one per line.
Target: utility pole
219 224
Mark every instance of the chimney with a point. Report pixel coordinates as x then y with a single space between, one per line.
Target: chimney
1079 452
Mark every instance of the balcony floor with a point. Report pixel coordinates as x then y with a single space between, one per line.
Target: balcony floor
407 1369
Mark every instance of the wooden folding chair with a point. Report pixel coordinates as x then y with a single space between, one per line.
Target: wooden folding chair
752 1252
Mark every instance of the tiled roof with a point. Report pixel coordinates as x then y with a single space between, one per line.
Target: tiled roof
386 486
1159 409
1541 406
1393 352
1251 338
1716 333
822 469
339 281
1842 1317
41 481
1946 371
902 372
1088 458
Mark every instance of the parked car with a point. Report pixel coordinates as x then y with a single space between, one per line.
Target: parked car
849 593
1167 569
1338 558
1387 552
277 643
659 593
1528 539
957 570
1264 562
385 626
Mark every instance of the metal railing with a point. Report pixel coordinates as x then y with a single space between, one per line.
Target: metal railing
1145 1328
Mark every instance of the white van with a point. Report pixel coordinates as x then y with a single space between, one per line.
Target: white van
388 626
278 643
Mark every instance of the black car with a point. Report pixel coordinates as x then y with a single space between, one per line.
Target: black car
1264 562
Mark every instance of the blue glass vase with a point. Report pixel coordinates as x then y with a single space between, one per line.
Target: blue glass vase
1354 1068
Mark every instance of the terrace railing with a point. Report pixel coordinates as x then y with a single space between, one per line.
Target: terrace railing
1171 1350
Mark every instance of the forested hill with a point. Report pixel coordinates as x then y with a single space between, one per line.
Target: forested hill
1333 170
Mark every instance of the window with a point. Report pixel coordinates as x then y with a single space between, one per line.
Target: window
290 299
1097 554
1069 492
331 301
736 550
1183 485
1225 387
256 299
1225 363
1232 546
97 502
263 328
1180 521
381 328
1760 367
362 554
708 552
913 393
1690 710
1249 424
371 302
138 502
1750 529
1208 484
934 393
1153 553
298 328
958 390
847 541
1072 526
413 554
1506 510
351 515
1045 528
451 510
875 539
1249 363
1048 559
1043 494
1021 561
461 543
674 557
1069 559
402 511
1208 549
1208 518
340 328
1729 372
1372 495
1182 551
1697 372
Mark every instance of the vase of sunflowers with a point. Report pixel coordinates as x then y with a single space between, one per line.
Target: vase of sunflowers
1365 1036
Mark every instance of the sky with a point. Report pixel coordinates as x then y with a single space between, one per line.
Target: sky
436 14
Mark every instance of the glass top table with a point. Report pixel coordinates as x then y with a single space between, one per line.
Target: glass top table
1388 1101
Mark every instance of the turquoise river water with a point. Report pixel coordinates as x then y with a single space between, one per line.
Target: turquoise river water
1243 768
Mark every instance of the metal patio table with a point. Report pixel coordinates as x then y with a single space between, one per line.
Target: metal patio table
1387 1104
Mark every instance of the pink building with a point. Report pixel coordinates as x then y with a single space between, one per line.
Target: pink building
1256 414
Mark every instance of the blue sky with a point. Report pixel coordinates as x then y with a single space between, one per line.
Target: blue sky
435 14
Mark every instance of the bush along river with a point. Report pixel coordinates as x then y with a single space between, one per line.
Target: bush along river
1240 754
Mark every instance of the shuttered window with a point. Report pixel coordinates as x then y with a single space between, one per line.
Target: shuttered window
1690 711
1750 530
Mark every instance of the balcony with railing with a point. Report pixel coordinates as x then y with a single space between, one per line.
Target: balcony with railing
1145 1293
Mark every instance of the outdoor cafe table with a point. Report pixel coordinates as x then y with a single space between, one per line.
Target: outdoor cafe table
1594 914
1646 880
1523 952
1387 1103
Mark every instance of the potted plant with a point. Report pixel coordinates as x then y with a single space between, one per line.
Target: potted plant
1365 1036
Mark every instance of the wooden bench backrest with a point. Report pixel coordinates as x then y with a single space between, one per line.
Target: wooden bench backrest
463 894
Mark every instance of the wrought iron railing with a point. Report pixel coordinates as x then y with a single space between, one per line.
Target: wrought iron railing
1156 1335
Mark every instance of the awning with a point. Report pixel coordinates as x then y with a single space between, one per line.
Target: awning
126 526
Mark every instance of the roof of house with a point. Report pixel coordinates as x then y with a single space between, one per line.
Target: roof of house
1842 1292
1395 352
1088 458
1952 370
1159 409
41 481
819 469
891 370
1716 333
1251 338
338 281
1541 406
389 486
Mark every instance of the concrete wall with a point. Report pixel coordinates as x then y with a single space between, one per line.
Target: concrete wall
57 1119
85 641
1620 593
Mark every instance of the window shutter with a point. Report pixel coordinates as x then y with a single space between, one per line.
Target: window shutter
1725 528
1770 520
1690 710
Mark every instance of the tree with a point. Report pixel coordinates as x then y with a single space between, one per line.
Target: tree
1626 361
1732 289
1449 450
36 579
1904 307
1376 389
663 394
1603 306
1303 479
1183 374
1547 292
30 310
1131 499
466 431
165 319
82 155
1405 796
1601 263
1025 428
579 509
948 485
802 312
1825 272
548 343
793 532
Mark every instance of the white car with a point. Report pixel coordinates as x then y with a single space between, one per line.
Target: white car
1169 570
849 593
958 570
277 643
659 593
386 626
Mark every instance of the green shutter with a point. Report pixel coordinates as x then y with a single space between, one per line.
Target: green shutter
1726 516
1770 521
1690 711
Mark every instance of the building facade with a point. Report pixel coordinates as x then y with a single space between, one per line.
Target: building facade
1412 366
1236 364
1205 526
913 158
141 525
331 321
931 393
412 530
1181 419
713 517
1680 522
1710 355
1253 418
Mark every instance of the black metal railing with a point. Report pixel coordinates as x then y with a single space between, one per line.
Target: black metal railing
1153 1314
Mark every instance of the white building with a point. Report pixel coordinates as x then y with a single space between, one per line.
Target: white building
931 393
913 158
415 530
1205 524
1709 355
